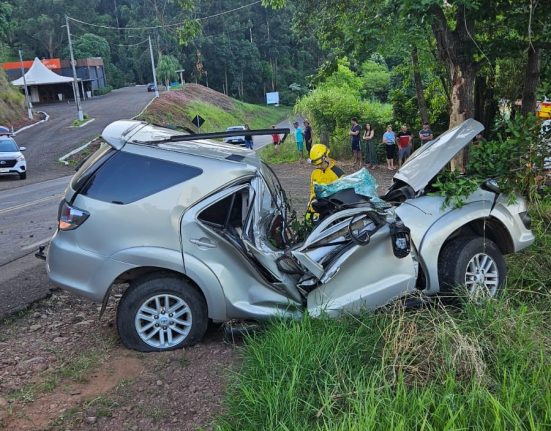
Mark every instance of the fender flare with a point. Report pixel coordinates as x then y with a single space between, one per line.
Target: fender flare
195 270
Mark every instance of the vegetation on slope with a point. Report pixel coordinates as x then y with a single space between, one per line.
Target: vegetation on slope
178 108
478 367
12 108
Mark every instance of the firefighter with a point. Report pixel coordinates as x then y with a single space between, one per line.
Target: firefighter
325 173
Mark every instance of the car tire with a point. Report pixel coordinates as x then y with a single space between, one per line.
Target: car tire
471 267
161 312
22 175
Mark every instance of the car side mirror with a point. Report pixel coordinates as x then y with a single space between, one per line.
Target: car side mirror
491 186
22 148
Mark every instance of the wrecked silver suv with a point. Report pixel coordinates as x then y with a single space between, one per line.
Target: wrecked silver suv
199 230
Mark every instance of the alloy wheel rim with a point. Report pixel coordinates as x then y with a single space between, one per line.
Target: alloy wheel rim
163 321
481 277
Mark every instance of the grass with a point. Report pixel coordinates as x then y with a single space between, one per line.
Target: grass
216 118
287 153
478 367
78 123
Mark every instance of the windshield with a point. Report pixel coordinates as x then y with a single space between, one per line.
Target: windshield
8 146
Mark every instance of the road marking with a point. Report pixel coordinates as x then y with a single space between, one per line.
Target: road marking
36 244
28 204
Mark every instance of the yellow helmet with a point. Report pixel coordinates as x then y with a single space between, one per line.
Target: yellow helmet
317 153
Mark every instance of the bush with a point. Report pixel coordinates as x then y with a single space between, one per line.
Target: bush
103 90
330 110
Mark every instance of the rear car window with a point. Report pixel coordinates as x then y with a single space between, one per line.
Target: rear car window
91 165
125 178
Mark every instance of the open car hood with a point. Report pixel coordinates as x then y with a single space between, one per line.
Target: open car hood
423 165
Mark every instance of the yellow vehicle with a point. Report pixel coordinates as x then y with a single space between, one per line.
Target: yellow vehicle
543 110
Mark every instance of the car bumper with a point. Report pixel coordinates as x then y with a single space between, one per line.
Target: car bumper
80 271
19 168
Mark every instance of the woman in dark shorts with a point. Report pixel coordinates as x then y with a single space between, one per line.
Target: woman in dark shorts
389 139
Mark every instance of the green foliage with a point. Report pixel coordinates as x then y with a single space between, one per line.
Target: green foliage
376 80
91 45
287 153
12 102
455 187
344 79
166 68
330 110
174 113
104 90
515 160
431 369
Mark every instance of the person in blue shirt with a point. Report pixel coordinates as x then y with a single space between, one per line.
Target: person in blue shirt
299 139
389 139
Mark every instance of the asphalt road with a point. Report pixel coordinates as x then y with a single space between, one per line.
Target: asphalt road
49 141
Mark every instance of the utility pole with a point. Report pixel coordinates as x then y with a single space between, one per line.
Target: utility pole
80 115
27 98
153 67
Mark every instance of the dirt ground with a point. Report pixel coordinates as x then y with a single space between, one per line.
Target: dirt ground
62 368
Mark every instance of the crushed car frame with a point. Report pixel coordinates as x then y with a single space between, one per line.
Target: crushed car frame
200 230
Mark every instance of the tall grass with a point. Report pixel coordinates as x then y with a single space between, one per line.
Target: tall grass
485 367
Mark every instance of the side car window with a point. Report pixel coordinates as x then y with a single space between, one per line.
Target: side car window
229 211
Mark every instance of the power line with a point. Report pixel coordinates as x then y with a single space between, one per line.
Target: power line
109 27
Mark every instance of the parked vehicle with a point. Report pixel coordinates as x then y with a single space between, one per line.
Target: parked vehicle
236 140
12 160
151 87
200 231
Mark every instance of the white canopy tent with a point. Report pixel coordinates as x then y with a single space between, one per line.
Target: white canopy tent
39 74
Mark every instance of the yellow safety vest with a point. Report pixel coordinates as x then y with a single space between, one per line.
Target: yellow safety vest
321 176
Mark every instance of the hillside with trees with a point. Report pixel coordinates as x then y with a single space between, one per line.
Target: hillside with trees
242 54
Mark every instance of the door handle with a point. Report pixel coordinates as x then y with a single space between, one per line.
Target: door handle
203 243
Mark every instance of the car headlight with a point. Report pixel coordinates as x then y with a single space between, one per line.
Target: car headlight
21 158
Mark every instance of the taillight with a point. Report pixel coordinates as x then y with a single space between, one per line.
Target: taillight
70 217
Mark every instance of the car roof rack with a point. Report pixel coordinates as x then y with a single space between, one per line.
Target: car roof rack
218 135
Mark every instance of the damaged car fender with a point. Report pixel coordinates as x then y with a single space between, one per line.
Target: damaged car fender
432 225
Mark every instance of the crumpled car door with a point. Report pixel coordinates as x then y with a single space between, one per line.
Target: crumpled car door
258 235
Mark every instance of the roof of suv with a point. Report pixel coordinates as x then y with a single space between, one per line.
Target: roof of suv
122 132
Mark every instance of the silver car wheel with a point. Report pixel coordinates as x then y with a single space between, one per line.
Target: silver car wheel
163 321
481 277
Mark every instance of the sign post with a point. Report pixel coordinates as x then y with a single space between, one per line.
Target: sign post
198 121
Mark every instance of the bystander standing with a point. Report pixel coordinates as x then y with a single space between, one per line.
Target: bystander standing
404 145
248 138
299 139
355 141
307 135
369 150
276 140
425 134
389 139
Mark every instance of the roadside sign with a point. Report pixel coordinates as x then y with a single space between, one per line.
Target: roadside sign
198 121
272 98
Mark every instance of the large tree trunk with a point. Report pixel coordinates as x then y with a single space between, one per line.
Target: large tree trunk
531 81
455 48
421 102
485 104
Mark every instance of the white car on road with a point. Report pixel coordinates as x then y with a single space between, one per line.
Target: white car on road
12 160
